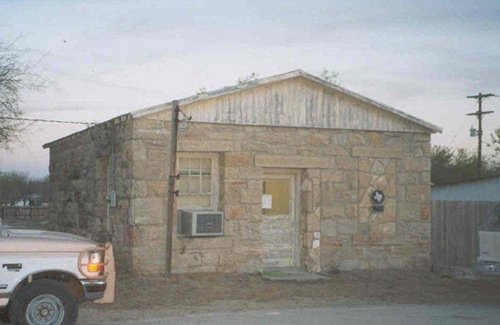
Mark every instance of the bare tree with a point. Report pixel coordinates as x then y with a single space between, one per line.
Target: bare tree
16 74
16 186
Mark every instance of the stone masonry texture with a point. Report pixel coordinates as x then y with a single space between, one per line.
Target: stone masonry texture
338 170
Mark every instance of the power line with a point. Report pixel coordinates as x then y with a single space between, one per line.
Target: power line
480 97
45 121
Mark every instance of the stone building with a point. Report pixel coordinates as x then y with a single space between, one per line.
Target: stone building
312 153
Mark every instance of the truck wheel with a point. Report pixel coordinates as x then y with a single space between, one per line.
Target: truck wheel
44 302
3 315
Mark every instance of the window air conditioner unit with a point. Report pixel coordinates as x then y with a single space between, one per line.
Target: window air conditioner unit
200 223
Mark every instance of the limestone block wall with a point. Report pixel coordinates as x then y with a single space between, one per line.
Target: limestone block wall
337 171
147 213
355 237
84 169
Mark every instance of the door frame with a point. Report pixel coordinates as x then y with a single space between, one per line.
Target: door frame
294 176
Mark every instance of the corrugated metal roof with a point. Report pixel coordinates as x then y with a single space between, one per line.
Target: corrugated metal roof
483 189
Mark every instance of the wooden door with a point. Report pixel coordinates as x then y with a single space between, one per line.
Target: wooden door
279 226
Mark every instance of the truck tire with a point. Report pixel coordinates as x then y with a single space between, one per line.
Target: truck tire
4 315
44 302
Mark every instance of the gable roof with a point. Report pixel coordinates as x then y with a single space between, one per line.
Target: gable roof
259 83
282 77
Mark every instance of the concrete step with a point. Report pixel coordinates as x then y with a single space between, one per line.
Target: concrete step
298 274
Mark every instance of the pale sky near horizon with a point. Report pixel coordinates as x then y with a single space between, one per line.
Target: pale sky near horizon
105 58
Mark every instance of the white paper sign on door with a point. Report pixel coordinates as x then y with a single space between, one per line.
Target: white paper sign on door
267 201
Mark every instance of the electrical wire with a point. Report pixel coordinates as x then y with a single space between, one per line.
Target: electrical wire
45 121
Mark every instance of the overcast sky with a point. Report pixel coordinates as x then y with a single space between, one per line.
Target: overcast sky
105 58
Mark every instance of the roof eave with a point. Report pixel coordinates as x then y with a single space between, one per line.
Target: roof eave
216 93
117 119
432 128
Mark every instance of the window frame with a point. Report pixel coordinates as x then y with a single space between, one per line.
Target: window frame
214 199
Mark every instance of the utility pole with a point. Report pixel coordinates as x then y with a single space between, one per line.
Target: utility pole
479 115
171 193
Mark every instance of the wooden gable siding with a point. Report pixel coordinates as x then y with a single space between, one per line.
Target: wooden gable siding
294 102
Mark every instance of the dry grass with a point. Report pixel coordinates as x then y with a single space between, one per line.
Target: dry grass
345 288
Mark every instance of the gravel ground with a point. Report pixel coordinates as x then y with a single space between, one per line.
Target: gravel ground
228 292
139 298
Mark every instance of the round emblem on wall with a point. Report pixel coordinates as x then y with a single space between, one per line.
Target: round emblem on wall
378 197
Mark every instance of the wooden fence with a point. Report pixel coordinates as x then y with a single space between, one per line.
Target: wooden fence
454 233
25 217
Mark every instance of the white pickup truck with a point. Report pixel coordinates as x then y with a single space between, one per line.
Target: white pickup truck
44 275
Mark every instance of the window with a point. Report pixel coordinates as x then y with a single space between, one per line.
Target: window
198 183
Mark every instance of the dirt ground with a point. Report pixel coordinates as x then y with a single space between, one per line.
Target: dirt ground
232 292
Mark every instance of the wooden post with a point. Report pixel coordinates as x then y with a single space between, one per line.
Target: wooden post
479 115
171 186
479 134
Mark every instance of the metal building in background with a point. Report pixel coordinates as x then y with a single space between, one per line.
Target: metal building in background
480 189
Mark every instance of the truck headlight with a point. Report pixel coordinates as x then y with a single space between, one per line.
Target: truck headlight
91 263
